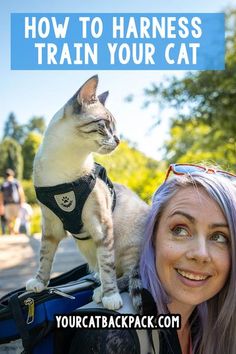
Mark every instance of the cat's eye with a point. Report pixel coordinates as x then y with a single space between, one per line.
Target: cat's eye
109 128
101 123
104 126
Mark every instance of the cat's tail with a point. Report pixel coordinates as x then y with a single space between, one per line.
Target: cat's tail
131 282
135 289
123 282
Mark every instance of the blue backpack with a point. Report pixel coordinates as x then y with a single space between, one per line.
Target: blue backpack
30 316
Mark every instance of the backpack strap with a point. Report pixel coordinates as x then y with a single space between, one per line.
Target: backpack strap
21 325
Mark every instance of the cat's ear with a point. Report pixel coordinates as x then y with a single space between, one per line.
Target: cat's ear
87 92
102 98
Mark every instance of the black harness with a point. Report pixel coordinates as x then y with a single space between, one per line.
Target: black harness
67 200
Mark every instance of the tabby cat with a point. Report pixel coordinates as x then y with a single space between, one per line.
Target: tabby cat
110 241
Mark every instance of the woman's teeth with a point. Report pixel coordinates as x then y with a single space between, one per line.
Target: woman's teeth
192 276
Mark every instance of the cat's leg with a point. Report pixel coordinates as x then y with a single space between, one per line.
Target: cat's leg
52 234
109 292
102 234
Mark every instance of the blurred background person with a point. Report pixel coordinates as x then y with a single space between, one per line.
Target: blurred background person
25 216
2 218
11 198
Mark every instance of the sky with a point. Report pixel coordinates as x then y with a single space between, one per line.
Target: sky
42 93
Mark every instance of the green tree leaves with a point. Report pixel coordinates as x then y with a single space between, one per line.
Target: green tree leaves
11 157
129 166
29 149
19 145
204 127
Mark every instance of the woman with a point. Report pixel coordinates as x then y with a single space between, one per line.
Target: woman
186 261
187 266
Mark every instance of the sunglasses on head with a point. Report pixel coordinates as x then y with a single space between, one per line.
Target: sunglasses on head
188 168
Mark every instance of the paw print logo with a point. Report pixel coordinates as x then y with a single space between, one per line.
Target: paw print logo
66 202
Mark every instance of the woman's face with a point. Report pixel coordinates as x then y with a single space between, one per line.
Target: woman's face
192 245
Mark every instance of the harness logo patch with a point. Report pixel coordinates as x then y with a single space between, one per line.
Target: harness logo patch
66 201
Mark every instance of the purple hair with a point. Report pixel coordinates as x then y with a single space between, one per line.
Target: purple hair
217 316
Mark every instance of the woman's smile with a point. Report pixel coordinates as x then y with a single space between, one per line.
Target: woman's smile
191 279
192 275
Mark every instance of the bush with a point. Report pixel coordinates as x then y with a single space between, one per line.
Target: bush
29 191
36 219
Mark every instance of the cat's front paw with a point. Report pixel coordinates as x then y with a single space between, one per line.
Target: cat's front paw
112 302
35 285
97 295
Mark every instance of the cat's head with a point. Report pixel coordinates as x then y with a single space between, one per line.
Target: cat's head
92 122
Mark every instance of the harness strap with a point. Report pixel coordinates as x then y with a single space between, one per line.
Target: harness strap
102 174
67 200
82 238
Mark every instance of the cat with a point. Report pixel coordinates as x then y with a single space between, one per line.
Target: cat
110 241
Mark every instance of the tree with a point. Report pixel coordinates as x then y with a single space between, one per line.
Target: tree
13 129
195 142
36 124
205 124
11 157
29 149
19 132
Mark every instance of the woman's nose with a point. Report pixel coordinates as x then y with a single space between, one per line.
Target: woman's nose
199 250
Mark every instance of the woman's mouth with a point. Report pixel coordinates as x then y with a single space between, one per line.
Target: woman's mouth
192 276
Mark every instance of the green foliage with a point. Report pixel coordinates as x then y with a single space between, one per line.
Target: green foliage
19 132
36 220
29 149
29 136
11 157
203 145
204 127
13 129
36 124
29 191
132 168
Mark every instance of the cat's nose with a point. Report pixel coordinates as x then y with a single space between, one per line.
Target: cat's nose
117 140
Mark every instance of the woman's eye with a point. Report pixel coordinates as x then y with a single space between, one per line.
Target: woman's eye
219 237
180 231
